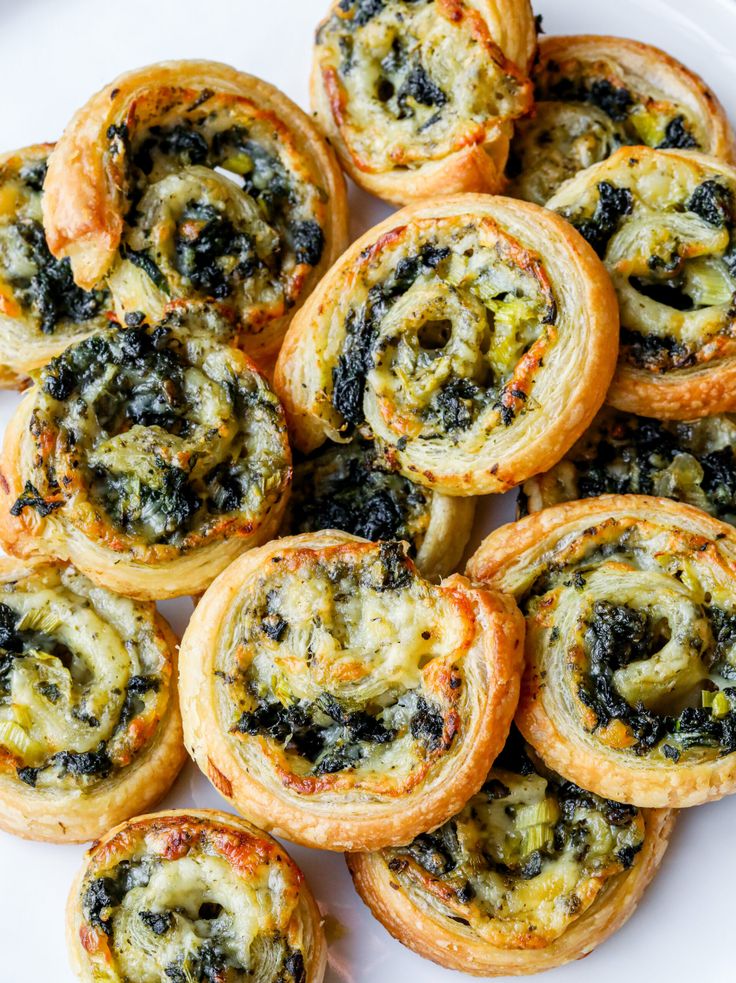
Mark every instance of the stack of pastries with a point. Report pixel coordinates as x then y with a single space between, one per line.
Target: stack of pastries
225 399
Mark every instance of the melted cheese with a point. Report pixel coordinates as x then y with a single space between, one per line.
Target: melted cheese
66 689
416 81
481 868
377 651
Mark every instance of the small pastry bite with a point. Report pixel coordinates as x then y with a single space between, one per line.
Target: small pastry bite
630 605
663 221
353 487
472 337
90 731
418 98
338 699
595 94
42 310
189 180
692 461
192 896
532 873
150 456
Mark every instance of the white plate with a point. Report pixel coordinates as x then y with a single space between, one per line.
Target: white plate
53 55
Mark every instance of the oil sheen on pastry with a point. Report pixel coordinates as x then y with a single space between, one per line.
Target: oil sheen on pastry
189 180
630 605
418 96
663 222
473 337
192 896
149 455
337 698
532 873
90 731
42 310
595 94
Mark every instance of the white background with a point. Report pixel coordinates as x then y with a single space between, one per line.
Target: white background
53 55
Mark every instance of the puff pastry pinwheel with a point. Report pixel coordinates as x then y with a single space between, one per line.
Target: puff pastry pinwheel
418 98
42 310
90 731
595 94
190 180
630 604
663 221
691 461
193 896
354 488
532 873
474 337
148 456
340 700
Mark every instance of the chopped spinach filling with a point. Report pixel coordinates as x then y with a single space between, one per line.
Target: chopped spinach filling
617 635
50 292
518 827
615 100
331 736
198 937
216 257
712 202
612 205
329 733
512 320
350 487
141 377
678 136
627 454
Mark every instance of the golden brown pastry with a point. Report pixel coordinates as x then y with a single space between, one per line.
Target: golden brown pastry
42 310
532 873
192 895
595 94
663 222
473 337
340 700
418 96
90 731
692 461
630 604
353 487
190 180
149 456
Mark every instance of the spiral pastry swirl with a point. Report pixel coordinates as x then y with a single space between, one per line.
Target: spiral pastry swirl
192 181
418 98
149 456
471 336
663 221
187 896
532 873
90 730
354 488
595 94
630 605
42 310
692 461
336 697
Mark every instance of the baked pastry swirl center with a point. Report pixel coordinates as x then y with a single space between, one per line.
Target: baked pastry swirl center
664 223
412 82
192 898
155 440
526 858
83 681
337 668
